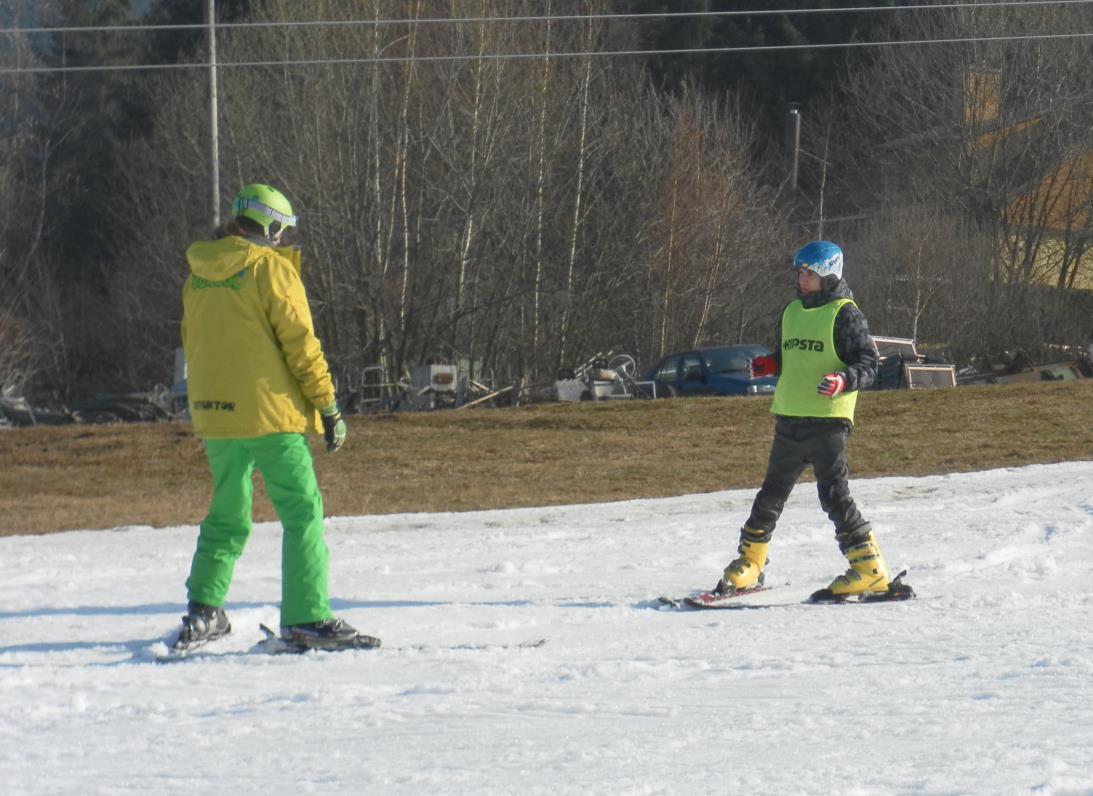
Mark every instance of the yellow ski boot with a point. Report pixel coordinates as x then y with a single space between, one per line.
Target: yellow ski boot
746 572
866 579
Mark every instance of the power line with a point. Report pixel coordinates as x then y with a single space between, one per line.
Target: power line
527 56
987 4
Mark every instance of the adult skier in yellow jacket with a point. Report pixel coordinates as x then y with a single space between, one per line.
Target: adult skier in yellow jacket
257 382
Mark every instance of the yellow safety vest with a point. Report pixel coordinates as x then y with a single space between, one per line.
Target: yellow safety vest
808 354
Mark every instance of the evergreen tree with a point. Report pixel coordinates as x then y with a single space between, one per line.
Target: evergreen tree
772 79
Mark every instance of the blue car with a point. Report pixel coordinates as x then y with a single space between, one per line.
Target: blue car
724 370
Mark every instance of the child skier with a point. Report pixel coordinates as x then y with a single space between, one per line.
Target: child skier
257 383
826 355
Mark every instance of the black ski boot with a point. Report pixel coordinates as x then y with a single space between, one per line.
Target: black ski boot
329 634
201 624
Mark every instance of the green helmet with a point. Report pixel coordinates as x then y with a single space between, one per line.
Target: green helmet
266 206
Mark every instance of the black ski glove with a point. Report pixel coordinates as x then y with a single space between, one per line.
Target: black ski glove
334 428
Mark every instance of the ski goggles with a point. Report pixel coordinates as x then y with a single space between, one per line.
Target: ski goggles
278 221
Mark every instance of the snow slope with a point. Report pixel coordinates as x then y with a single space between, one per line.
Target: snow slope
983 685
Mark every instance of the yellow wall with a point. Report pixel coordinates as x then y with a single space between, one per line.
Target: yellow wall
1049 260
1061 201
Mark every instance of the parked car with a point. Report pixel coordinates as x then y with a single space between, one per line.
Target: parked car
721 370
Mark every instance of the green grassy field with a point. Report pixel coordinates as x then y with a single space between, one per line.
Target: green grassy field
90 477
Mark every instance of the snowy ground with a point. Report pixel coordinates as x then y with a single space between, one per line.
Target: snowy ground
983 685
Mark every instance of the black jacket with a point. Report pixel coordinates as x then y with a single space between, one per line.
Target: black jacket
853 342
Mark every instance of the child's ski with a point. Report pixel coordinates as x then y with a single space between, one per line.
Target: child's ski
897 590
707 600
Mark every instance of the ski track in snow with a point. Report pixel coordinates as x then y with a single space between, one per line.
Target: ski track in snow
982 685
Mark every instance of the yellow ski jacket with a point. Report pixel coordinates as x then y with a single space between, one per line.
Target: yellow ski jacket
254 365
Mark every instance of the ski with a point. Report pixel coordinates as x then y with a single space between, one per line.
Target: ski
708 600
515 645
191 649
187 643
897 592
274 644
179 650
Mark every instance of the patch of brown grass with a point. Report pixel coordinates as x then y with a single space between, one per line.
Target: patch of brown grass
77 477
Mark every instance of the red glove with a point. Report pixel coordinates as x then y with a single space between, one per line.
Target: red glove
832 384
763 366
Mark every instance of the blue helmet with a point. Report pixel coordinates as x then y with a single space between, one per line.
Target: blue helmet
821 257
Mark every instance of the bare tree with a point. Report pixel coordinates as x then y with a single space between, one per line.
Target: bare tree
992 136
31 343
707 232
515 214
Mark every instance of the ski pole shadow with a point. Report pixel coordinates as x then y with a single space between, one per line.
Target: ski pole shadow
343 605
127 651
150 609
47 647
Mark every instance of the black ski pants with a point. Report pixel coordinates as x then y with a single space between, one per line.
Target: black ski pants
799 442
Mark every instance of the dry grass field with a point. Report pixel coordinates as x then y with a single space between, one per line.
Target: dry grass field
90 477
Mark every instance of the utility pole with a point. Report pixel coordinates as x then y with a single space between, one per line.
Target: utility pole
214 146
793 142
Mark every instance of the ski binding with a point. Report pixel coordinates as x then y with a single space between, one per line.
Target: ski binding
897 591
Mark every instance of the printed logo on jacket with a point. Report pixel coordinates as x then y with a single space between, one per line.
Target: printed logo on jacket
802 344
214 406
232 282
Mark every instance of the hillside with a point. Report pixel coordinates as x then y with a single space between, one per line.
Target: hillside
86 477
524 652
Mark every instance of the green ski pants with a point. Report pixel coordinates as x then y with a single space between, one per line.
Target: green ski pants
284 461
